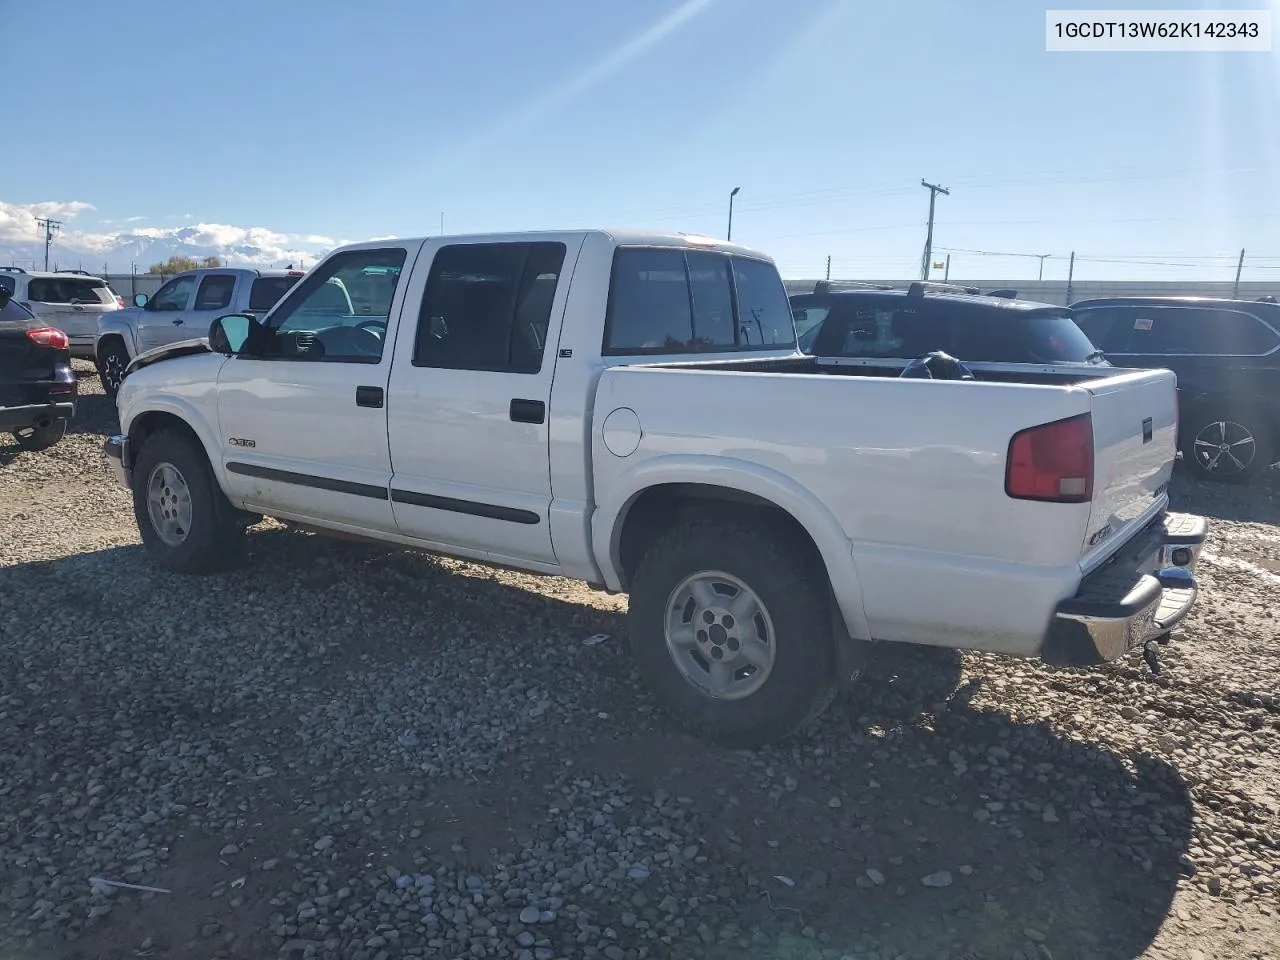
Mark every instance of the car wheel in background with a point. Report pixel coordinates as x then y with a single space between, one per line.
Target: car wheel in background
40 438
1226 445
111 360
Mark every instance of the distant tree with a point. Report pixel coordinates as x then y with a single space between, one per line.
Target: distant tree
178 263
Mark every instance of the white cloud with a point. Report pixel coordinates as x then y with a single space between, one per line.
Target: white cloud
143 244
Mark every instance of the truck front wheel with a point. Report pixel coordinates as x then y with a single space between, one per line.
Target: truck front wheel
186 523
730 627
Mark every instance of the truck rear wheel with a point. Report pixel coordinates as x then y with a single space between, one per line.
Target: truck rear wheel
730 628
186 523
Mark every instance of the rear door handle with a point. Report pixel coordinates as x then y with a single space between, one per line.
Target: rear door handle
369 397
528 411
177 322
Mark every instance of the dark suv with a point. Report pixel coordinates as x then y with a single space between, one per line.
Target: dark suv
1226 354
901 325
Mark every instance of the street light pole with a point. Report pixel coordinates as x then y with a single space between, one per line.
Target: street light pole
1042 257
732 193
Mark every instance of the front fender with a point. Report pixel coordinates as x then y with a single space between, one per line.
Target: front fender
746 477
109 325
192 399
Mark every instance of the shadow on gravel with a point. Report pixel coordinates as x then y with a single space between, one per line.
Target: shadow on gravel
907 824
1257 502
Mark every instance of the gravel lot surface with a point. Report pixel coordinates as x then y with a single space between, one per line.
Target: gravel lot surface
342 752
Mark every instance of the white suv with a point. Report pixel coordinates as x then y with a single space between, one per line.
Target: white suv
71 300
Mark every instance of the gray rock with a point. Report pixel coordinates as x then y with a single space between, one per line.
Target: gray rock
940 879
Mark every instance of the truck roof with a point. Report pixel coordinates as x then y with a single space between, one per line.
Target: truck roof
621 237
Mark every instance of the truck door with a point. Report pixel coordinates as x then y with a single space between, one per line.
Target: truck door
304 420
163 318
469 394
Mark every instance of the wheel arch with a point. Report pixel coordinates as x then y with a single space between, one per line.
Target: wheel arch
149 422
659 494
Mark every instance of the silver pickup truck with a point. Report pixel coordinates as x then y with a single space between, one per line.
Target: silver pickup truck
182 309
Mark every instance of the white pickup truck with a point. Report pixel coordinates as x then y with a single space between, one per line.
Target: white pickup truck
631 411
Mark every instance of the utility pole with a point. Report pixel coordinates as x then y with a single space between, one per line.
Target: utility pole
947 275
50 228
1071 269
828 266
442 223
1042 257
1235 291
934 190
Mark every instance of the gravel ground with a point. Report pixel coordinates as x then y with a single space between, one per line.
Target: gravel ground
342 752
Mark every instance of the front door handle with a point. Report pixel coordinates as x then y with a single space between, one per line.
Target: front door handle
177 322
369 397
528 411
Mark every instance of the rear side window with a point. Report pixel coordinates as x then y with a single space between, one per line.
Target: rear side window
215 292
1174 331
267 291
487 306
666 300
68 290
8 284
999 336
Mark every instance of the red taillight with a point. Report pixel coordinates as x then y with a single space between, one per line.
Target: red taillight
48 337
1053 461
119 301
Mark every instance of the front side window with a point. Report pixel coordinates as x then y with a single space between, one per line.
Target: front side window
174 295
487 306
667 300
319 321
215 292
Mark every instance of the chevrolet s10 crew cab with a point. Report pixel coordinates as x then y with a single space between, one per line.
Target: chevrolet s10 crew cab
632 411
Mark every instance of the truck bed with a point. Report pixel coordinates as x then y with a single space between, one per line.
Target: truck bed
912 473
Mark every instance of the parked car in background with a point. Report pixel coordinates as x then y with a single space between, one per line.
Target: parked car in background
1226 354
881 324
182 309
71 300
37 385
630 410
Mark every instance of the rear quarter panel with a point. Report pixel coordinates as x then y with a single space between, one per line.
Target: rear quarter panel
910 471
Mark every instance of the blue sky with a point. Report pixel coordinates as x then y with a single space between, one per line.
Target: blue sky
340 120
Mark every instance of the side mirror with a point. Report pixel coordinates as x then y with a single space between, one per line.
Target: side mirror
140 299
228 334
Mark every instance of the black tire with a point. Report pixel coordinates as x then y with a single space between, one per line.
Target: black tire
34 439
111 360
215 538
792 587
1203 428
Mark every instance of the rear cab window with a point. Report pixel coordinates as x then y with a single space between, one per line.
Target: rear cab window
676 300
71 290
